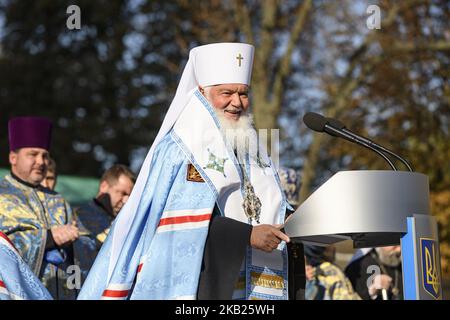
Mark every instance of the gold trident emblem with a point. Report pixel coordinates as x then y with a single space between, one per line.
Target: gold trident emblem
240 57
431 269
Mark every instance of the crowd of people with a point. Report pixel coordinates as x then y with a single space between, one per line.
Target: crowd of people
203 219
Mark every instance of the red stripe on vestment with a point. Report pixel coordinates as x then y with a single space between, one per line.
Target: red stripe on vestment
115 293
2 284
184 219
140 267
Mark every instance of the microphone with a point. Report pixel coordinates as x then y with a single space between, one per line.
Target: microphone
339 125
319 123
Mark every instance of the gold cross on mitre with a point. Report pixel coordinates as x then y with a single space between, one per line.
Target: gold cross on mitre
240 57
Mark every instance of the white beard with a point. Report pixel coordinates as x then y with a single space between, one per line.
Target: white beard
240 134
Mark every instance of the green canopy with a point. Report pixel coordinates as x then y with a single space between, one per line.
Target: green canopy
76 190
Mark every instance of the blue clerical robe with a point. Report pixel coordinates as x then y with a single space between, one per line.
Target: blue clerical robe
17 281
93 221
164 255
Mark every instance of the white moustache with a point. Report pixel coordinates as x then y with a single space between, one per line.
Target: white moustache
233 110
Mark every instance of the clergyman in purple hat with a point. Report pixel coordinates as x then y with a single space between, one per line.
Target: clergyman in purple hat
37 220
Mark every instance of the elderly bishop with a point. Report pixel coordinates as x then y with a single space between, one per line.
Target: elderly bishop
203 220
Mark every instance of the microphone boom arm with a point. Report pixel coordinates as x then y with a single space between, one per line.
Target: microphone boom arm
377 146
353 139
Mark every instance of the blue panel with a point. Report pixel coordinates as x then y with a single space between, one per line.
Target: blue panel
430 267
408 265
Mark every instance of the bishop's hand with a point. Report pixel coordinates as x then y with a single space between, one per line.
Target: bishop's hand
267 237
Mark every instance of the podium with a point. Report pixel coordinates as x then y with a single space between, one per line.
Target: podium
374 209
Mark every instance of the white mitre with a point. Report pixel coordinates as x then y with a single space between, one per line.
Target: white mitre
211 64
221 63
